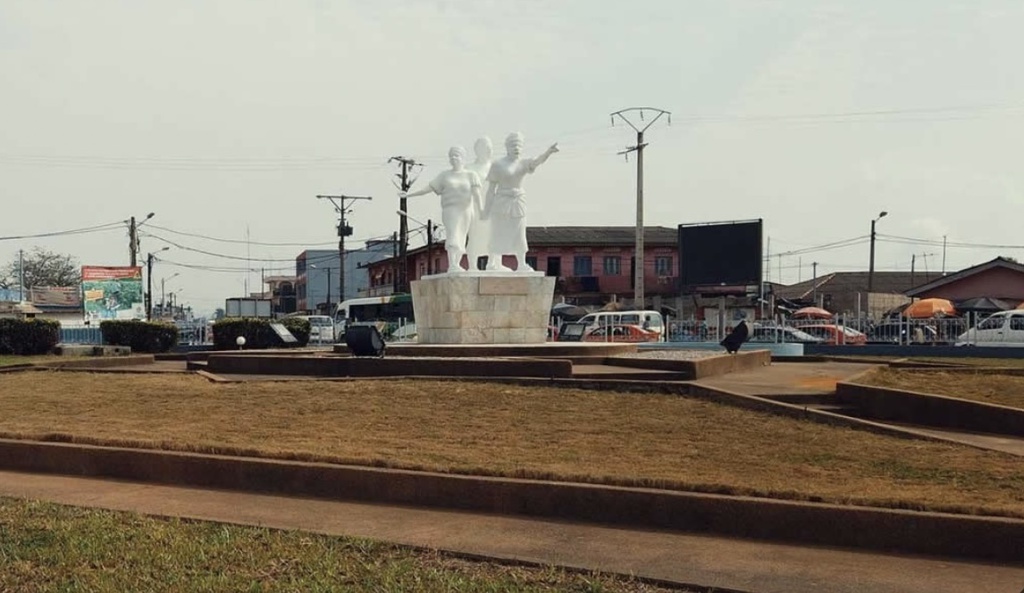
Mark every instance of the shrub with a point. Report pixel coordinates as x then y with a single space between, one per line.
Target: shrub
257 332
28 336
140 336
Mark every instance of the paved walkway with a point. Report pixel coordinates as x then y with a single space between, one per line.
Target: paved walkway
738 565
786 378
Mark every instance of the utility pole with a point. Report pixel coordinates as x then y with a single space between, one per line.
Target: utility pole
407 164
344 230
814 283
943 255
21 275
149 283
133 241
638 256
394 262
430 247
133 238
871 261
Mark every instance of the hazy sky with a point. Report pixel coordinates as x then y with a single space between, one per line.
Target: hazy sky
227 118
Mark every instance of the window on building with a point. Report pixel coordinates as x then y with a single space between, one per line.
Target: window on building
437 265
663 265
582 265
481 262
531 260
612 265
554 266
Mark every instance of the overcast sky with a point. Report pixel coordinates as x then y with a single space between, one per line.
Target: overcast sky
227 118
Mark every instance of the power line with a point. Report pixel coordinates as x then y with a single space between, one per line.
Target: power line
826 246
938 242
81 231
238 241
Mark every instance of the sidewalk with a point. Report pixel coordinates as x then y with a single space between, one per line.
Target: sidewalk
737 565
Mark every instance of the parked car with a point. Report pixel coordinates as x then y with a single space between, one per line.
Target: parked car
767 334
621 333
895 332
648 320
831 333
1005 328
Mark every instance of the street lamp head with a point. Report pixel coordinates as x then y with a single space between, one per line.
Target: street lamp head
150 215
883 214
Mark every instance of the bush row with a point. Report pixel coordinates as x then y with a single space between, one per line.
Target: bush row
28 336
140 336
257 332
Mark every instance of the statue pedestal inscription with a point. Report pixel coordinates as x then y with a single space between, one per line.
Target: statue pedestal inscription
483 307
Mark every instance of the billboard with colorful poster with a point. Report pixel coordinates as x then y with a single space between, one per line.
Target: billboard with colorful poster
112 293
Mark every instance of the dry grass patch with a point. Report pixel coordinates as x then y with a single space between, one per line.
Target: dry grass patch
491 429
990 388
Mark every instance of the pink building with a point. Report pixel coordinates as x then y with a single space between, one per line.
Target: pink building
1000 278
591 264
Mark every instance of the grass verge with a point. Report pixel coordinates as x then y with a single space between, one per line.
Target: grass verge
6 360
48 547
648 440
990 388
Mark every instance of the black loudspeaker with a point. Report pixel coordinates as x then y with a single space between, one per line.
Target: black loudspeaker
364 339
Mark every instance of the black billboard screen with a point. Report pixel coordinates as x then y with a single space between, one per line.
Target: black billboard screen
720 254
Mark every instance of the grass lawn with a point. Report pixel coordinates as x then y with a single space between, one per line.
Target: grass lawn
47 547
7 360
1005 390
491 429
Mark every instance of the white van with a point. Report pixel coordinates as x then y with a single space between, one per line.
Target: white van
650 320
1005 328
321 328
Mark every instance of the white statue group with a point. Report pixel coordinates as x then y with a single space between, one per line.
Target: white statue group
491 224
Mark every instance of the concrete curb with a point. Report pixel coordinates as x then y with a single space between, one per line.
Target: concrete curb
941 534
899 405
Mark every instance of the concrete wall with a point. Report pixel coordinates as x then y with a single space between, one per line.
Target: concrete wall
931 410
992 538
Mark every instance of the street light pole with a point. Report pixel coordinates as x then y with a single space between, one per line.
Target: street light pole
149 283
871 262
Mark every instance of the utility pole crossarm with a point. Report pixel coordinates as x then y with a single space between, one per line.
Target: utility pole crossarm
340 203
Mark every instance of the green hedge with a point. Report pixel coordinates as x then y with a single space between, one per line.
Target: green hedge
140 336
28 336
257 332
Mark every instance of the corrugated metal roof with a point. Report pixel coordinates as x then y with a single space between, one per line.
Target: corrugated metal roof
599 235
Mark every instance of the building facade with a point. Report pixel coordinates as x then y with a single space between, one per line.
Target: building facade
592 265
1000 278
317 278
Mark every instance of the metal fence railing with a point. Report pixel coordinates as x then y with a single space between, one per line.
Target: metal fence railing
839 330
81 335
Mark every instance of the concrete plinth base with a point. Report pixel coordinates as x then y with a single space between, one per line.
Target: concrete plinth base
483 308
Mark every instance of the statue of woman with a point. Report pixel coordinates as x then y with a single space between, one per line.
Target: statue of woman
506 202
460 191
480 229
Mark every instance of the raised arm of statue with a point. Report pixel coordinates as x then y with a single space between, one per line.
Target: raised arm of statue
544 156
421 192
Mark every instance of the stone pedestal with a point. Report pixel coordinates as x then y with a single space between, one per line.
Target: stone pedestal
483 308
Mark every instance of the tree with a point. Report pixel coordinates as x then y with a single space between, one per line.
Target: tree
43 268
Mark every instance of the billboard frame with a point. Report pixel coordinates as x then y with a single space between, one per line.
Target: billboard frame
751 287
